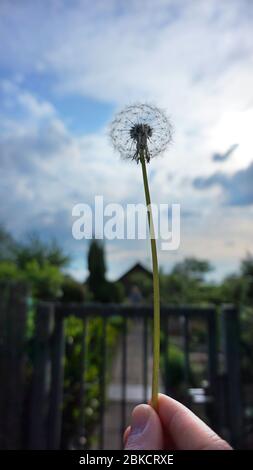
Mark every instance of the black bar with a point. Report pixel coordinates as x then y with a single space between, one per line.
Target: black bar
38 408
103 365
83 368
108 310
231 331
165 352
145 359
213 369
13 316
56 392
113 459
186 346
124 375
186 350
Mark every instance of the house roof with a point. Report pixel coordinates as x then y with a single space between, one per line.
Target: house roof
138 267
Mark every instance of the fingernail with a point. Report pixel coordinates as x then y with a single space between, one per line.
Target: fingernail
140 417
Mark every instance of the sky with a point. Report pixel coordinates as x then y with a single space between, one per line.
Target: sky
66 67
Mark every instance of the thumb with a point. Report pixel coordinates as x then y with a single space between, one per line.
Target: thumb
146 430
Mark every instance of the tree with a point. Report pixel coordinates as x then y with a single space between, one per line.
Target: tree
37 262
101 289
43 252
10 272
96 266
186 284
247 274
193 268
46 280
7 245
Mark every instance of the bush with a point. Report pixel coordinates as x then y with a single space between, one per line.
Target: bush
73 291
46 280
173 367
9 271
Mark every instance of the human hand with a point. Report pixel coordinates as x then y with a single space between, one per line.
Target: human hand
172 427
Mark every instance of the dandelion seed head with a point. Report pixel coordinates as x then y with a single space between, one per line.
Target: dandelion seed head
140 129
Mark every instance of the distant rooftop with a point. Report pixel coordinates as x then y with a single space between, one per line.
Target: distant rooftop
136 268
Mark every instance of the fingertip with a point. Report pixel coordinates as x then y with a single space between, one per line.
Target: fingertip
126 434
146 429
186 430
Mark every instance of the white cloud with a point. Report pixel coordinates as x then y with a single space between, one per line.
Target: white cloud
14 95
36 108
193 58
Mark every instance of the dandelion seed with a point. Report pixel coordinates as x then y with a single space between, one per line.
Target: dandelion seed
141 128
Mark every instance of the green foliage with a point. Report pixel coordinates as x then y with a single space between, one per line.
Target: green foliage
7 245
46 280
34 249
115 292
109 292
10 272
173 366
94 363
192 268
177 289
101 289
247 274
247 344
233 289
96 265
73 291
238 288
173 370
34 261
186 283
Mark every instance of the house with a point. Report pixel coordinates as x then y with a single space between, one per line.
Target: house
136 281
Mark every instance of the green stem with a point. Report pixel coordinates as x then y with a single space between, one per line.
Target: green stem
156 298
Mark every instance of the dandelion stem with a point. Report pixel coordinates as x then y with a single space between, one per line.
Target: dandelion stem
156 293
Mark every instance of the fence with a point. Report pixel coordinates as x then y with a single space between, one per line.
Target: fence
31 415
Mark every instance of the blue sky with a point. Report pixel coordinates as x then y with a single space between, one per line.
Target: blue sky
67 67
